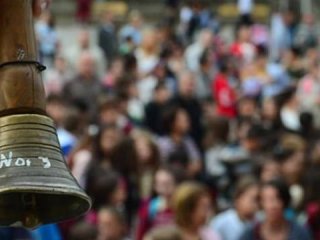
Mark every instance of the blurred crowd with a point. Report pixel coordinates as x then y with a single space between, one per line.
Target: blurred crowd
177 133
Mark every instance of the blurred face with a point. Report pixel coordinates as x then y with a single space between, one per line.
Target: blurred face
117 68
86 66
247 203
244 34
162 95
206 38
60 64
164 184
271 170
149 40
109 139
109 227
293 167
136 21
269 109
109 116
202 211
247 108
84 39
119 196
143 149
57 112
182 122
186 84
271 204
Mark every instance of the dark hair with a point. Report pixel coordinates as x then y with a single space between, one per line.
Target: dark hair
243 185
224 64
256 131
282 190
98 153
160 86
169 118
124 158
262 51
218 129
100 186
107 104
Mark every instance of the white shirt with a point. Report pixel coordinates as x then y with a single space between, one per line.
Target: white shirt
228 225
245 6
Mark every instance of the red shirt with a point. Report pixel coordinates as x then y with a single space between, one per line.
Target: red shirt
224 96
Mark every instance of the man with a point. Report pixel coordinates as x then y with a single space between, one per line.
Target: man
186 99
85 87
84 44
107 38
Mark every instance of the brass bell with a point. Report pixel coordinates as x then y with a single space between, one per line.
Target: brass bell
36 186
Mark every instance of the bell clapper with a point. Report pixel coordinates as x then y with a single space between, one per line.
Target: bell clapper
30 218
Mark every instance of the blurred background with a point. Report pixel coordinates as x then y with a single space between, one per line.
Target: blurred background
186 119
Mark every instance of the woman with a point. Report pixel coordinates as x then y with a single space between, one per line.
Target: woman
275 198
192 207
177 148
158 212
242 215
148 162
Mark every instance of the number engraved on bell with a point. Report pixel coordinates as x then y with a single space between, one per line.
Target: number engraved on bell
7 161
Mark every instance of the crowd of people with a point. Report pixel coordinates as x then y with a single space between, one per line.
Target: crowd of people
177 133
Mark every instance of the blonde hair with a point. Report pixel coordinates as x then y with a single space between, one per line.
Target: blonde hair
185 201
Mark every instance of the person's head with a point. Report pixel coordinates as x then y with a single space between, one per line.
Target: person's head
261 56
83 231
56 109
246 197
86 65
111 224
107 17
274 199
252 140
148 153
247 107
117 68
206 38
217 131
186 84
109 112
108 137
314 69
270 110
149 43
244 33
124 157
164 233
60 63
135 18
176 120
161 93
292 158
84 39
165 182
192 205
269 169
105 187
288 17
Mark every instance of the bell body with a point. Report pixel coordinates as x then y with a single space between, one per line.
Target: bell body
36 186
